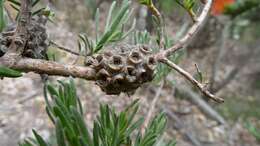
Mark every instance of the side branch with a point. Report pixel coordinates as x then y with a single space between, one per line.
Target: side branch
152 107
200 86
190 34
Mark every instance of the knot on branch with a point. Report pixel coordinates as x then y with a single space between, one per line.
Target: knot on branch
123 69
35 43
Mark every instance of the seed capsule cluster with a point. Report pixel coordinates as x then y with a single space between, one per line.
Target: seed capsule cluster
6 38
36 44
123 69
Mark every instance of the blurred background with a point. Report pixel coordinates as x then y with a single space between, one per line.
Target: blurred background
226 54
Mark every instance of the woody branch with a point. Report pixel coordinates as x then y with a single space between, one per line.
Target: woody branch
14 60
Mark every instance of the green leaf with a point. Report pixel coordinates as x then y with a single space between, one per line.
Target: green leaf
115 137
65 122
53 92
15 2
60 133
83 128
48 13
96 134
45 95
111 9
97 25
112 33
172 143
38 11
80 106
61 94
130 30
119 17
10 73
88 44
26 143
110 128
132 114
198 75
188 4
50 114
39 139
146 2
2 18
135 126
35 2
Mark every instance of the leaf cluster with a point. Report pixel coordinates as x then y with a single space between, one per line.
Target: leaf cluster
110 128
114 29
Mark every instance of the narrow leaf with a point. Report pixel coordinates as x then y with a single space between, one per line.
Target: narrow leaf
7 72
39 139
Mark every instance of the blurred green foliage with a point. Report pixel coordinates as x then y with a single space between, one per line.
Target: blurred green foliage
110 128
241 6
240 107
167 5
245 20
91 5
253 130
2 16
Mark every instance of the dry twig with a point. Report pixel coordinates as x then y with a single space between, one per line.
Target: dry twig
190 34
152 107
64 48
189 77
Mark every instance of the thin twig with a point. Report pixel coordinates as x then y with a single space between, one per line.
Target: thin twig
190 34
193 16
152 107
64 48
9 15
162 56
161 28
28 97
155 11
189 77
190 11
